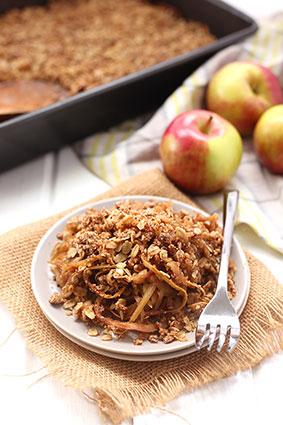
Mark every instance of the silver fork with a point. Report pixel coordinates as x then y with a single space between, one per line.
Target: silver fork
219 318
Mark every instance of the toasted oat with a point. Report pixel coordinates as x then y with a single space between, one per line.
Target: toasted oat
56 298
72 252
138 341
119 258
135 251
126 247
168 338
69 304
163 254
119 272
181 233
141 225
181 336
89 312
153 338
93 332
153 250
77 310
106 337
67 291
111 245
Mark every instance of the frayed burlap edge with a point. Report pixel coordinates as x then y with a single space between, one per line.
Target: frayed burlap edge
262 337
266 338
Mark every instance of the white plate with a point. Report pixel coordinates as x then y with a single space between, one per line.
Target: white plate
43 286
129 357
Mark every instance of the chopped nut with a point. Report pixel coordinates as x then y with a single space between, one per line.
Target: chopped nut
197 231
80 292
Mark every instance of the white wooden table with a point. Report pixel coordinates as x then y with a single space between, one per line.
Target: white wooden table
56 182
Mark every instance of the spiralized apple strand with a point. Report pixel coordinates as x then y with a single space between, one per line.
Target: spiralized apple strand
117 324
164 277
143 302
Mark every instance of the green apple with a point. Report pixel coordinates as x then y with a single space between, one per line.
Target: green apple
241 92
268 139
200 151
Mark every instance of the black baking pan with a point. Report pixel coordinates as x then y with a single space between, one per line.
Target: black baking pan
30 135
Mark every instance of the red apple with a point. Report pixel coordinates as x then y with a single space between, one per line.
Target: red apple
200 151
268 139
241 92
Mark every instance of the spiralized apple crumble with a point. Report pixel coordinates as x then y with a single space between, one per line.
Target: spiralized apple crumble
84 43
138 266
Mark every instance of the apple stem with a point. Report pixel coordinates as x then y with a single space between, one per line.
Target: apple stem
206 125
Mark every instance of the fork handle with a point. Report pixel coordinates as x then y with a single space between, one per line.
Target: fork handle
230 208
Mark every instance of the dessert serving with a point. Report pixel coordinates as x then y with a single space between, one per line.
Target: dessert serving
138 268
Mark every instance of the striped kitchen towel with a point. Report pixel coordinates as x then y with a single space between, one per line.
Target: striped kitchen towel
133 146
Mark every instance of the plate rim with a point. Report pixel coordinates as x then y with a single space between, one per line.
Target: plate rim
128 357
44 239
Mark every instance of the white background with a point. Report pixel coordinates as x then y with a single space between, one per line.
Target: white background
53 183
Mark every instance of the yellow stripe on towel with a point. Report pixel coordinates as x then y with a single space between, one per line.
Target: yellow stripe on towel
95 141
102 162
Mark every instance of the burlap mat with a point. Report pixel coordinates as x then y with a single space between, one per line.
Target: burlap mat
123 388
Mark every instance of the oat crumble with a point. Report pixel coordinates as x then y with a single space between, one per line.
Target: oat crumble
138 267
81 44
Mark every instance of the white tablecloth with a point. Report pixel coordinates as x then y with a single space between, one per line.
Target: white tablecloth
58 181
